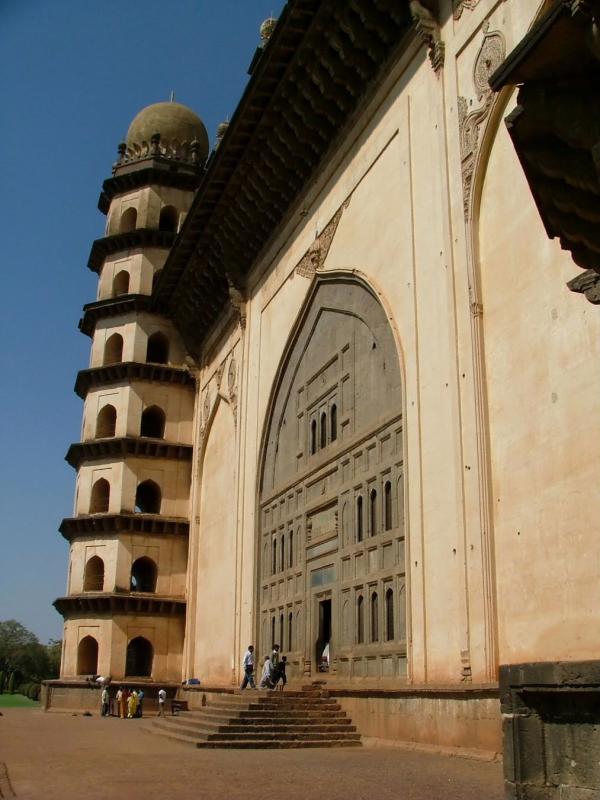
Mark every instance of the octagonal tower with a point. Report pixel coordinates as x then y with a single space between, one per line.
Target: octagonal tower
124 610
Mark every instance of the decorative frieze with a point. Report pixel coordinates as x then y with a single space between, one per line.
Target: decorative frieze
462 5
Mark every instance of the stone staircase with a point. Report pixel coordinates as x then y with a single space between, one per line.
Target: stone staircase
257 719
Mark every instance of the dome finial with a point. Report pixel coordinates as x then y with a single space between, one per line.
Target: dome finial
266 29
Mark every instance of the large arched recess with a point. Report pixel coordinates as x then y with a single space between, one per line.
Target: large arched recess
215 579
342 354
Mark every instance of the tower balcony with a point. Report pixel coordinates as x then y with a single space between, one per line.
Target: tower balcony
128 371
112 307
110 525
95 604
130 240
126 447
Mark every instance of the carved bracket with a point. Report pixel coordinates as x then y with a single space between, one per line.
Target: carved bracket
429 30
462 5
491 54
237 297
588 284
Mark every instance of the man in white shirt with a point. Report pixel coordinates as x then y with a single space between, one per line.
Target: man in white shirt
248 667
162 696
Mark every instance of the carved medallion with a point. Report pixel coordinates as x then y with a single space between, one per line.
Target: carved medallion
231 376
491 54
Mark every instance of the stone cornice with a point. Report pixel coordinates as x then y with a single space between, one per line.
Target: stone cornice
109 604
151 172
118 242
321 64
128 371
126 447
112 307
116 524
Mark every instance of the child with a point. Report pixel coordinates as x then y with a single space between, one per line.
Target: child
266 679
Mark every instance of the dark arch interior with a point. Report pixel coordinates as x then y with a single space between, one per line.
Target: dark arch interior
113 349
93 580
148 498
168 219
143 575
106 422
139 658
128 220
157 351
100 497
87 656
121 283
153 423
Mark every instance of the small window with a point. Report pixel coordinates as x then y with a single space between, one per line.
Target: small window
100 497
153 423
387 506
93 580
333 422
290 631
106 422
373 511
282 554
313 437
143 575
291 550
128 220
360 621
157 351
323 430
148 498
272 632
121 283
374 617
281 629
359 519
168 219
274 560
389 615
113 350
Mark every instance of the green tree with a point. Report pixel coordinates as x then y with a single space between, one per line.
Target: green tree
1 681
21 651
11 683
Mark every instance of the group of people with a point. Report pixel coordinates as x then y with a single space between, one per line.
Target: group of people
129 703
273 671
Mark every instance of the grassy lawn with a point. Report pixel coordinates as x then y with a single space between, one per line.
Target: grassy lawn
16 701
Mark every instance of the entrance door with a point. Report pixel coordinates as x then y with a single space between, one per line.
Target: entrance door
324 638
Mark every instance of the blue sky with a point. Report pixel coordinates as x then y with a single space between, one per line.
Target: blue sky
74 74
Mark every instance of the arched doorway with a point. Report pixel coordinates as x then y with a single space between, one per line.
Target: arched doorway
140 654
335 409
143 575
87 656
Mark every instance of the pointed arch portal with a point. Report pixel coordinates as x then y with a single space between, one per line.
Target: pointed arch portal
315 462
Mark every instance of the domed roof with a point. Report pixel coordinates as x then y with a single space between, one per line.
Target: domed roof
175 122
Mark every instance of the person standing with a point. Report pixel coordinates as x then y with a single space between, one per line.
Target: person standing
140 699
104 711
162 696
280 674
121 703
248 667
275 659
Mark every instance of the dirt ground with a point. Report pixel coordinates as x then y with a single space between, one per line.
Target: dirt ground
59 756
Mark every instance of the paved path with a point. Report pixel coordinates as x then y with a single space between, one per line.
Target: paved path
58 756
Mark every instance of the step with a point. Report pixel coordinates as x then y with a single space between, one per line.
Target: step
248 736
203 723
275 745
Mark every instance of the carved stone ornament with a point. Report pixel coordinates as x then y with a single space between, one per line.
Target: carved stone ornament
461 5
491 54
429 30
206 406
587 284
315 256
237 299
231 387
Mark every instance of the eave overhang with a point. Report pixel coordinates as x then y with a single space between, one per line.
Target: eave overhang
111 604
119 242
112 307
555 129
154 171
126 447
128 371
320 65
116 524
